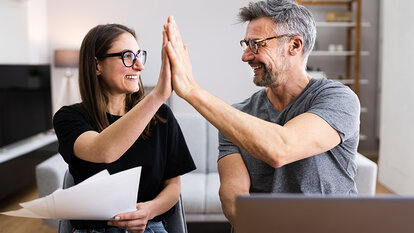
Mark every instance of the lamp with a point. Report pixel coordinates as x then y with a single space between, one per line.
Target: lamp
69 59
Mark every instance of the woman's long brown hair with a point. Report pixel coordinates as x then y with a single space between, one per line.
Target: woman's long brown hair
94 99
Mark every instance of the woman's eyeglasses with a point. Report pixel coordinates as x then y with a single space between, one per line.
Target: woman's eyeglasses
129 57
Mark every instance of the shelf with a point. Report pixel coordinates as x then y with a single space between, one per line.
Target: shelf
27 145
321 74
363 137
337 53
313 2
364 109
352 46
341 24
351 81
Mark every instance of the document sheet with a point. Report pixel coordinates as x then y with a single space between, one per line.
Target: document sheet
99 197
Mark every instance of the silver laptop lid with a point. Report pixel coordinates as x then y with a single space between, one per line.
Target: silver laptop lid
295 213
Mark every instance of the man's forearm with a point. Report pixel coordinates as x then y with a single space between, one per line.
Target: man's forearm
229 208
234 180
250 133
228 204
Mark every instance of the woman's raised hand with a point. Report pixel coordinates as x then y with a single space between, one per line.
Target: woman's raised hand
163 87
181 69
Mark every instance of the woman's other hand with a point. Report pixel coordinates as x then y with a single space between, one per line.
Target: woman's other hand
134 222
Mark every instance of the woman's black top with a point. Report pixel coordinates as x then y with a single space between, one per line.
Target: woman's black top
163 156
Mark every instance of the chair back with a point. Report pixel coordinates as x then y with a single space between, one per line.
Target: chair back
64 224
175 223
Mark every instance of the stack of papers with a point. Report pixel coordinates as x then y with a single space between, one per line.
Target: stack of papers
99 197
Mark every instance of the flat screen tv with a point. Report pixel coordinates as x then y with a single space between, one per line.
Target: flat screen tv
25 102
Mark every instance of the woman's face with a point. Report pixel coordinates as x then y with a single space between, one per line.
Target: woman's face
117 78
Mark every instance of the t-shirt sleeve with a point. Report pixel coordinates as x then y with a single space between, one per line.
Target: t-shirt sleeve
226 147
69 124
179 160
339 106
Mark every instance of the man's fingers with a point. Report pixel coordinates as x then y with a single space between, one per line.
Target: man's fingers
173 33
170 18
171 52
177 34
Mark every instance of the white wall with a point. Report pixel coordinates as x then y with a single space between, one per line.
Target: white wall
14 12
37 50
24 23
396 161
208 27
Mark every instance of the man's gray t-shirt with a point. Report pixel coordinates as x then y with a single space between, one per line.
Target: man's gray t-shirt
331 172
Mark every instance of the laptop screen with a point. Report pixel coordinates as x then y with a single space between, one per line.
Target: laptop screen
295 213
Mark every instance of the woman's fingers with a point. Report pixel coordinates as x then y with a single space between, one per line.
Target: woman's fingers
130 215
164 45
132 221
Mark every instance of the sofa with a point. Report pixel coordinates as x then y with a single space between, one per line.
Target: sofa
199 188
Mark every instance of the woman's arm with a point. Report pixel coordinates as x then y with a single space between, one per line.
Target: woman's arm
110 144
165 200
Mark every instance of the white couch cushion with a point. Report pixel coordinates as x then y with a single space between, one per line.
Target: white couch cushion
213 204
194 128
49 174
193 192
366 177
212 148
49 177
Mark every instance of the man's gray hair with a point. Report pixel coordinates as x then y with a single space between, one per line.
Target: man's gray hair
289 17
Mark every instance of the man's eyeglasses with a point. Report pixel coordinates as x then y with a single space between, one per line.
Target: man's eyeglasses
255 44
129 57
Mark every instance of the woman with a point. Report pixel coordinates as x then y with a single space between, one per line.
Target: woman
116 128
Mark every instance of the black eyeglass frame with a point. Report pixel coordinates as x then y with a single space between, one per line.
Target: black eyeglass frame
121 54
254 44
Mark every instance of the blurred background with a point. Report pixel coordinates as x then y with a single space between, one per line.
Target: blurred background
366 44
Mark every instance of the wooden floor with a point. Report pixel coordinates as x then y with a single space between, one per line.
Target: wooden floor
25 225
21 225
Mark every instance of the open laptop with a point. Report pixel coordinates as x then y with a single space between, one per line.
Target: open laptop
295 213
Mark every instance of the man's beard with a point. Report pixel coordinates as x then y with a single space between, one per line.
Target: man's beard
269 78
272 77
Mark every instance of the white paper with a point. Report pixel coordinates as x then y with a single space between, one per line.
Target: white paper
99 197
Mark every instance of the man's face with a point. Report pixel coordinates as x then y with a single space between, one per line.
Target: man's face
270 63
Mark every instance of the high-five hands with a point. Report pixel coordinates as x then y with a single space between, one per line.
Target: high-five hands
181 69
163 87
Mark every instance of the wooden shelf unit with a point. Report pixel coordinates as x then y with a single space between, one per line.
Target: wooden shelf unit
353 41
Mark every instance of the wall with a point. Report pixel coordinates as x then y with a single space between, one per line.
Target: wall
396 160
12 11
26 28
208 27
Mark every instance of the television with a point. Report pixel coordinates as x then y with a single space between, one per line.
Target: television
25 102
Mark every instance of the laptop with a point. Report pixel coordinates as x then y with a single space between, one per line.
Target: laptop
296 213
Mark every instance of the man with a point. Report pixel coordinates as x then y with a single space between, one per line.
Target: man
298 134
